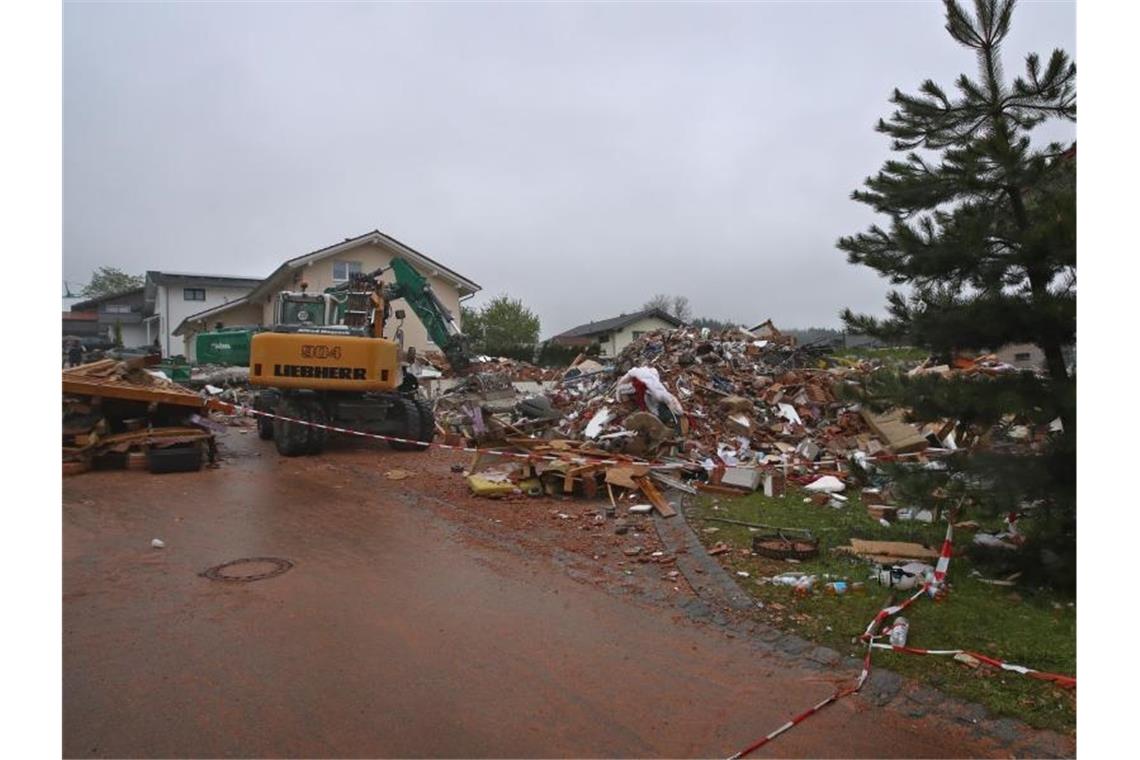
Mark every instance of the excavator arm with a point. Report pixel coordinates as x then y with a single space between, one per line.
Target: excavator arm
436 318
413 288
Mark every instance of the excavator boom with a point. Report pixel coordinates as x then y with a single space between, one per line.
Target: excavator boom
436 318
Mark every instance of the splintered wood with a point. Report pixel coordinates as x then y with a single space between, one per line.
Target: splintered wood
113 408
128 380
655 498
568 467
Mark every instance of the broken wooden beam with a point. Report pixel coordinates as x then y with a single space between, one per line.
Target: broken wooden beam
655 497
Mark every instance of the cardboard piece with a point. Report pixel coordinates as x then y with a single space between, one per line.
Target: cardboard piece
888 550
900 436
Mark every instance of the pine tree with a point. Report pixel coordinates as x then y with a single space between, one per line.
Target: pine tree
982 237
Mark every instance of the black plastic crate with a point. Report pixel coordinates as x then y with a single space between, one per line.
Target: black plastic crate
181 458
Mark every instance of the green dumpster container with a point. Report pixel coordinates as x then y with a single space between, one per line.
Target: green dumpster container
228 347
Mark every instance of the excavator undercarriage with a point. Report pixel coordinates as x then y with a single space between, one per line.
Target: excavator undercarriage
389 414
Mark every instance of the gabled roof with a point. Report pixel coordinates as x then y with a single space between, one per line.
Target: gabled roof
210 312
186 278
191 280
90 302
375 237
614 323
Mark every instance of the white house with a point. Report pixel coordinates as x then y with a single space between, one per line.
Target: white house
614 334
170 297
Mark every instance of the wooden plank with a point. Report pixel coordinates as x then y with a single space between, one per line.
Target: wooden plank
659 502
624 476
896 549
726 490
124 390
900 436
182 433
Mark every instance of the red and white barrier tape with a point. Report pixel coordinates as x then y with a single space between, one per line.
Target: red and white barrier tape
238 409
871 633
1061 680
246 410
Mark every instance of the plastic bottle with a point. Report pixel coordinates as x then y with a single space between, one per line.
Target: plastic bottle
899 631
836 588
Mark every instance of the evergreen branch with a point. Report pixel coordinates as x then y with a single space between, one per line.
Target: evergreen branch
959 26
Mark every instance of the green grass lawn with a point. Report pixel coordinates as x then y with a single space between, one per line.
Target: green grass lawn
1036 628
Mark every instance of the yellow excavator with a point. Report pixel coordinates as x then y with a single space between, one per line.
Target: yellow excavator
326 360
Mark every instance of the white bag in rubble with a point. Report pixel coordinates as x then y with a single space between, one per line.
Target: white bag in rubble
655 391
826 484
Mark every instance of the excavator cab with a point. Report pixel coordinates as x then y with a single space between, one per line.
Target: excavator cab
302 309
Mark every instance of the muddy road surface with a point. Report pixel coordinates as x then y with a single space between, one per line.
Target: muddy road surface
415 621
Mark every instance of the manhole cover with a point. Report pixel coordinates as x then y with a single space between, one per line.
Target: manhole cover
248 570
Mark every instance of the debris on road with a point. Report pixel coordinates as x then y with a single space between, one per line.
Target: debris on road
121 415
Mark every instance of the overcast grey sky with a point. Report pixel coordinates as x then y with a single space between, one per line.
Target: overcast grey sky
579 157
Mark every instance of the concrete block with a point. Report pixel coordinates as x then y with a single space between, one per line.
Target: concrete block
742 477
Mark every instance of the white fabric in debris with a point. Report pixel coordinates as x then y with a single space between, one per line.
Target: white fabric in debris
599 421
826 484
656 392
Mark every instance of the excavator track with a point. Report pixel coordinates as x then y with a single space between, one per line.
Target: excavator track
427 421
413 427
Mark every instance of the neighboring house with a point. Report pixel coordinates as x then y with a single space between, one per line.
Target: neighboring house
1022 355
324 268
1030 356
123 309
81 324
613 335
170 297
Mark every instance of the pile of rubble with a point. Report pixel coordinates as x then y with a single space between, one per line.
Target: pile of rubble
514 369
988 364
120 415
694 403
728 396
726 409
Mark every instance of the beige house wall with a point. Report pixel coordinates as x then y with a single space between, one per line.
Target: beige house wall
319 275
622 337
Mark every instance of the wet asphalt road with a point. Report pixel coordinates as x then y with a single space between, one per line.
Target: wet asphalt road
394 635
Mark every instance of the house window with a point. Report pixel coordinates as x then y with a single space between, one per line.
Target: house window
638 333
1021 357
342 270
193 294
117 308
